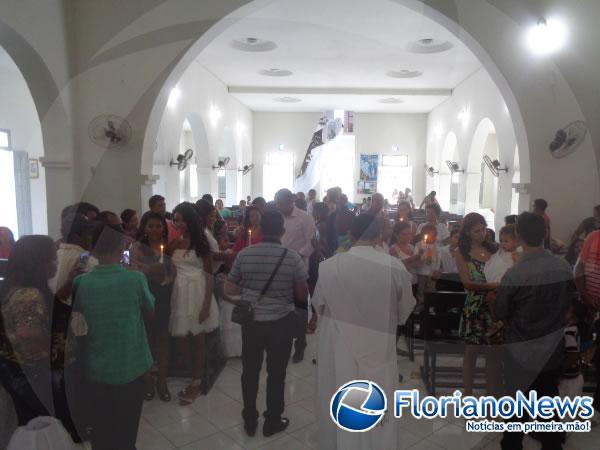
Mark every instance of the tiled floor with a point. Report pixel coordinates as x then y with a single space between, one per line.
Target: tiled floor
214 422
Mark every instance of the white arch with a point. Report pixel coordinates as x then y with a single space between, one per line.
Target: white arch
447 19
484 132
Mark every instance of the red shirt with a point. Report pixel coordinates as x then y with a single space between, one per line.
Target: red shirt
242 240
590 256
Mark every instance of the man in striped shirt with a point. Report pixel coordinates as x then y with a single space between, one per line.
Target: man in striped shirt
587 279
270 331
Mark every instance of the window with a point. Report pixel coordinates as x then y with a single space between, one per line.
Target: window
7 184
392 180
222 182
4 139
395 160
193 180
278 173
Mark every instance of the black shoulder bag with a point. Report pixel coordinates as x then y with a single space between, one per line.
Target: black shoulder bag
243 311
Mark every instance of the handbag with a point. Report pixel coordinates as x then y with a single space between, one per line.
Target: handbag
243 311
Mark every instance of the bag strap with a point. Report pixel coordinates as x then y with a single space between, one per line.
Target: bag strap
264 291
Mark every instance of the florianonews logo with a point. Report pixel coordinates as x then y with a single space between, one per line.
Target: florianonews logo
358 406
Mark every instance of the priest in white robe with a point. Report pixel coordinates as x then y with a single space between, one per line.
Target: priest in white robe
361 297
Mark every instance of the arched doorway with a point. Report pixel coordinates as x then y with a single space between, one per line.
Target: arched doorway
482 185
448 21
448 181
22 176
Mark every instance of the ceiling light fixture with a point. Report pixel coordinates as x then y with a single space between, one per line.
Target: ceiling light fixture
464 116
173 97
429 45
275 72
390 101
288 100
253 45
215 115
547 36
404 73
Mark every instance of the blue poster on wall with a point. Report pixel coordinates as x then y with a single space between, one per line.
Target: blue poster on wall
369 165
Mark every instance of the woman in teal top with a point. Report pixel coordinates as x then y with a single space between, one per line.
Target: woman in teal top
116 357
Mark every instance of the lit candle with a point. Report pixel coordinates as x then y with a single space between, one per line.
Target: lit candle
401 219
249 237
162 254
425 239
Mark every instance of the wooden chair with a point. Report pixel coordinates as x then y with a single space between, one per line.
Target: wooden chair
440 322
449 282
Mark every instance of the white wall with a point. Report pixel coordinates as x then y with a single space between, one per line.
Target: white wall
375 134
482 99
19 116
212 136
293 130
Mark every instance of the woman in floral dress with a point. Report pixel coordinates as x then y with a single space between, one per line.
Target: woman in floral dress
476 321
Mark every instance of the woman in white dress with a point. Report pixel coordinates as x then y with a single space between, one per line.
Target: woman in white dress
194 311
231 333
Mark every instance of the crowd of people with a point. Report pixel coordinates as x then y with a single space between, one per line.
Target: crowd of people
95 312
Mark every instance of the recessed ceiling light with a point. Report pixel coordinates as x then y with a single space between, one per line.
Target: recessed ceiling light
390 101
275 72
253 44
288 100
405 73
429 45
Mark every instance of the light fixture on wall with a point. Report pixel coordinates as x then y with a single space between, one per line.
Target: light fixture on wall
395 148
240 127
547 36
215 115
173 97
429 170
222 164
281 147
464 115
454 167
494 165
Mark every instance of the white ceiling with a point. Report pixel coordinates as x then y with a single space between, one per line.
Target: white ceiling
335 50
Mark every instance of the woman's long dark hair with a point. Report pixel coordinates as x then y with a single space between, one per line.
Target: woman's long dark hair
399 227
249 209
195 227
464 239
28 265
141 233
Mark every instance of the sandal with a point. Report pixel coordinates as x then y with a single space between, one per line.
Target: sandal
189 394
149 395
163 392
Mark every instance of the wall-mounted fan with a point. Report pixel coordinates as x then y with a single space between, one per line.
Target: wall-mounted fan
430 171
222 164
109 131
246 169
568 139
454 167
494 166
182 160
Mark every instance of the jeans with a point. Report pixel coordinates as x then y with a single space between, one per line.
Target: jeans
275 339
546 384
116 411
